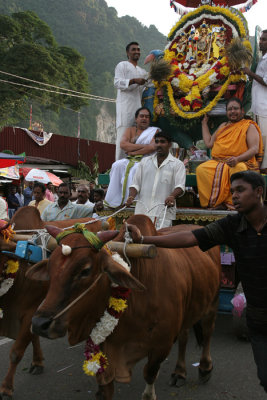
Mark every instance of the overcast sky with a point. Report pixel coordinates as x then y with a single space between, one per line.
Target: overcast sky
160 14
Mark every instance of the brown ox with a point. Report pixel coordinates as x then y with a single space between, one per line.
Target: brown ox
22 300
178 288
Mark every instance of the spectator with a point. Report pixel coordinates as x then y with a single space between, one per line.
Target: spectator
28 193
12 201
49 192
39 201
20 196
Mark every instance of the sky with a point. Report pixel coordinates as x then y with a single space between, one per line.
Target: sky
160 14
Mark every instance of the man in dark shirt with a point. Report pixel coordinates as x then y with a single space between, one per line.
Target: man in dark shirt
246 234
12 201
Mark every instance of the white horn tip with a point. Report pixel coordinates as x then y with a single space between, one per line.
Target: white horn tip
66 250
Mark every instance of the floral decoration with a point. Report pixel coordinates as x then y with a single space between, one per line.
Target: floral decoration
8 276
1 313
95 360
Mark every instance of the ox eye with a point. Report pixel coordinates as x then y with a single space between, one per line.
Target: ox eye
85 272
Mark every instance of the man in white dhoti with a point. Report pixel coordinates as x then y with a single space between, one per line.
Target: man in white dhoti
259 95
159 180
137 142
129 81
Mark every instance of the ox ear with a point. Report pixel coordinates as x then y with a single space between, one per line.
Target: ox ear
53 230
106 236
120 275
38 272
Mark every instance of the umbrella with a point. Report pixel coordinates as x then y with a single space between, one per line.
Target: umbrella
8 160
196 3
39 175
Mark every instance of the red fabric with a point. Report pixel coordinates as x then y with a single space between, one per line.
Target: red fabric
4 163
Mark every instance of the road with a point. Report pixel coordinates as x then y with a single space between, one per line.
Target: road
234 375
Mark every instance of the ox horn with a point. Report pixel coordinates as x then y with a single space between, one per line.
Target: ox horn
106 236
53 230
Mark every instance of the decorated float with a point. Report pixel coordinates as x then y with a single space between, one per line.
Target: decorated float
201 68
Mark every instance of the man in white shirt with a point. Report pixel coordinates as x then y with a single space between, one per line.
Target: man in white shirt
159 180
83 196
129 81
259 94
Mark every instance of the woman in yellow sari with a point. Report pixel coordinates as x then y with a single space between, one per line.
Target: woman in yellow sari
236 146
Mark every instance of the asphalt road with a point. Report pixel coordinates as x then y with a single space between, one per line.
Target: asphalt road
234 375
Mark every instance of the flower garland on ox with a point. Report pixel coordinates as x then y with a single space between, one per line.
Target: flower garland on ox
95 360
7 278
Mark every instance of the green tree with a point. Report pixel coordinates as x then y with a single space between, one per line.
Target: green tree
29 49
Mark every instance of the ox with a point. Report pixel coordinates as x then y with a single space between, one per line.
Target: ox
22 300
172 293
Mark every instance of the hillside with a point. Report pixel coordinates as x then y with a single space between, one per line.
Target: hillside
95 30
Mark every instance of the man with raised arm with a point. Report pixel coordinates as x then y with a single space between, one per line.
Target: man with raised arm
246 234
259 94
129 81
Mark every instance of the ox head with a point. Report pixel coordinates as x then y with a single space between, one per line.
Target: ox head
83 269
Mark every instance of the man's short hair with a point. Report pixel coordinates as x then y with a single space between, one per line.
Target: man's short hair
40 185
100 191
64 184
140 109
264 31
251 177
236 99
129 45
163 135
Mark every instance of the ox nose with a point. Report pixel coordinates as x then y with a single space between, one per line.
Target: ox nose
40 326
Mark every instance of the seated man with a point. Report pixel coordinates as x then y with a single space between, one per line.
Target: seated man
39 201
136 142
159 180
64 209
236 146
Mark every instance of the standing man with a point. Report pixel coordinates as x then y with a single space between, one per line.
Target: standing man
28 193
159 180
64 209
246 234
20 196
259 94
12 201
129 81
49 195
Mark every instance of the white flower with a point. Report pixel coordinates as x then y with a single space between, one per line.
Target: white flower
6 285
103 328
116 257
175 82
92 366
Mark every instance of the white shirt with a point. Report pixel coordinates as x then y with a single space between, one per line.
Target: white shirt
154 184
259 92
3 208
128 96
88 203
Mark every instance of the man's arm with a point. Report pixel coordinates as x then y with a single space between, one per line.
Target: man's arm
125 143
253 141
173 240
122 83
252 75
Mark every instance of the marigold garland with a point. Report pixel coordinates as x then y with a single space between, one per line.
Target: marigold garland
95 360
8 276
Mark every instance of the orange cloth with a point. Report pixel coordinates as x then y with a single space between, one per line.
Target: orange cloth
213 177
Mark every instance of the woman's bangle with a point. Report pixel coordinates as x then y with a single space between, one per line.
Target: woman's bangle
142 239
131 197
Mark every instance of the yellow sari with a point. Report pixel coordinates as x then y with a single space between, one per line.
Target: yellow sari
213 176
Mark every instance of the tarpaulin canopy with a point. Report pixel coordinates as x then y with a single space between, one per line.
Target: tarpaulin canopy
8 160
